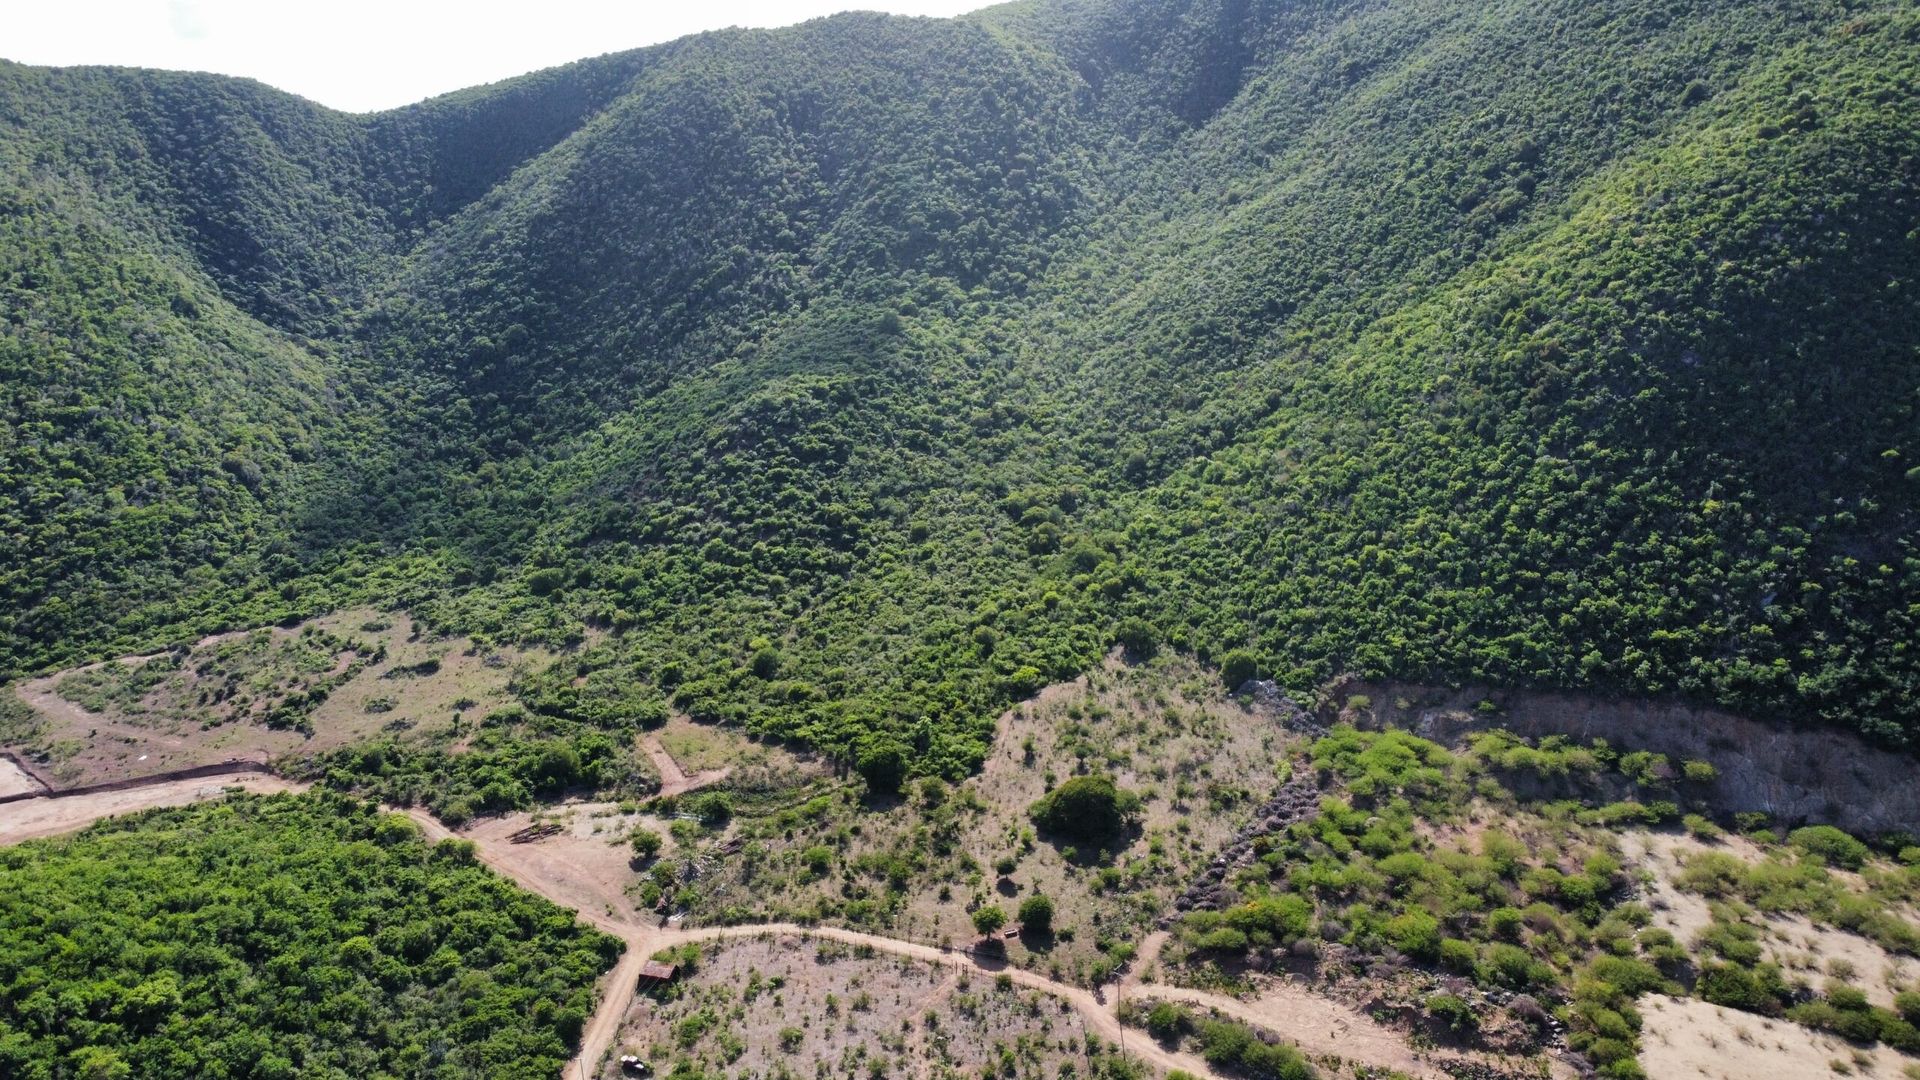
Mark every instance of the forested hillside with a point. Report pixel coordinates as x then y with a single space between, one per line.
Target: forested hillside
857 379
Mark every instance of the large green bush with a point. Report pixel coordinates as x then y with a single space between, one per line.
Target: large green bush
1089 807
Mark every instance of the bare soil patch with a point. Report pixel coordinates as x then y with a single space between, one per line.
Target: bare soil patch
587 865
1686 1039
33 818
753 1006
15 780
261 695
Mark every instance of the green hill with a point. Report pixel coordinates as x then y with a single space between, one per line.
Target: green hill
860 377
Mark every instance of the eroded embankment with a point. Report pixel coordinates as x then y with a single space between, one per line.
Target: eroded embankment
1797 774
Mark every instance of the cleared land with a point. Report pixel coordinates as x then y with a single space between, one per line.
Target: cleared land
1686 1039
262 695
918 867
15 780
912 996
800 1004
1802 947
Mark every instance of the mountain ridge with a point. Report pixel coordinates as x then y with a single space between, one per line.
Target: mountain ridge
861 376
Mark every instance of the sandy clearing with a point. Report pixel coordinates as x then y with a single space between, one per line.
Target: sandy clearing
1792 941
15 780
33 818
1681 914
673 779
1685 1039
1800 946
1315 1024
1098 1015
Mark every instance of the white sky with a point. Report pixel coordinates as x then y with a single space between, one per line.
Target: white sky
361 55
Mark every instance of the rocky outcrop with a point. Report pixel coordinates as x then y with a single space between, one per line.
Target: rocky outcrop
1294 801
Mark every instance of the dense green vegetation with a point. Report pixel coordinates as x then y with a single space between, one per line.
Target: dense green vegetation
1088 807
277 937
862 377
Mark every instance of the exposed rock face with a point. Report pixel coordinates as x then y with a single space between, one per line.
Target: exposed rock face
1795 774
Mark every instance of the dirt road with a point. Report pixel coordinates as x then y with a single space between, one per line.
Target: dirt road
31 818
1318 1025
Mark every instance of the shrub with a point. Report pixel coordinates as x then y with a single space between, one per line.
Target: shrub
1086 808
882 763
1736 987
1415 933
1454 1011
1458 955
646 843
1831 845
1701 827
1239 666
988 919
1270 920
1167 1021
1137 636
1036 913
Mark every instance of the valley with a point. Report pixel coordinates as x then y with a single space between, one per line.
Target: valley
1085 540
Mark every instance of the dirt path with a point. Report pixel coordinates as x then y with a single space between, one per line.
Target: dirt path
616 996
32 818
1143 959
1318 1025
674 780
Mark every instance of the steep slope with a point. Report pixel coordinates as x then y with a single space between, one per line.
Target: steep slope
1643 450
862 376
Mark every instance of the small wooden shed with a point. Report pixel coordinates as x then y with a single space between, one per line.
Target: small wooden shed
655 973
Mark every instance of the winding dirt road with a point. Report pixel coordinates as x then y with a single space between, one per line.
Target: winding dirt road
1318 1025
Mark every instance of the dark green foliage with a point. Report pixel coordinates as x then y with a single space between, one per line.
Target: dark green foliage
1086 808
989 919
860 378
883 765
1757 989
1241 1051
270 937
1036 914
1168 1022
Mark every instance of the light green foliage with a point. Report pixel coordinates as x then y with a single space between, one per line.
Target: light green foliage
1831 845
989 918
